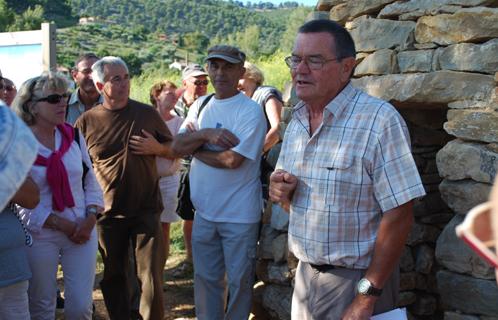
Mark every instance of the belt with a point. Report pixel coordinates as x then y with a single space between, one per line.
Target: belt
323 267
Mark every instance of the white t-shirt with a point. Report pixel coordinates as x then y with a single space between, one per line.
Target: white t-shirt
229 195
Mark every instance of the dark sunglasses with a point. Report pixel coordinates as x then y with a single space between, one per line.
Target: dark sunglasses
53 98
201 82
9 88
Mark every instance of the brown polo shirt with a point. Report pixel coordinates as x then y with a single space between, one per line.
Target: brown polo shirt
129 182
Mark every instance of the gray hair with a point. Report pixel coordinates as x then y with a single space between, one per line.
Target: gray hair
35 88
254 73
98 68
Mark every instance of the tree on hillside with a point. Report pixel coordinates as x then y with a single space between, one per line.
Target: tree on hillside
6 16
296 19
31 19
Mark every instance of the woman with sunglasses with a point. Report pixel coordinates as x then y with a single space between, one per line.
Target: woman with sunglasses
63 223
9 91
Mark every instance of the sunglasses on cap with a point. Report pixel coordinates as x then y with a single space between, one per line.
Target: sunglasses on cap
201 82
53 98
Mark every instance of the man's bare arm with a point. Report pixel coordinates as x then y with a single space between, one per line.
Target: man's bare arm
227 159
391 237
28 195
148 145
187 143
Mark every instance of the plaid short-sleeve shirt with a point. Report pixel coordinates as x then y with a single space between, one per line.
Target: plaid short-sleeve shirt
356 165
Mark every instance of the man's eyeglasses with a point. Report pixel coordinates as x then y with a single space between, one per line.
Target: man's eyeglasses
86 71
119 80
201 82
314 63
53 98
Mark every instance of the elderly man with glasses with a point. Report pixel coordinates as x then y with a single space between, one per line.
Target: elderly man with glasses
347 177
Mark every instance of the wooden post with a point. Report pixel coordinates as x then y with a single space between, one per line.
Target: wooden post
49 58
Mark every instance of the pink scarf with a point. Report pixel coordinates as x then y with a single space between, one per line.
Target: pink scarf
56 171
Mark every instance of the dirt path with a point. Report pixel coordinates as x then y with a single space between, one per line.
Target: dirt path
178 296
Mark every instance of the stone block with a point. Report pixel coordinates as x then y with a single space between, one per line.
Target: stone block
430 204
279 218
425 305
421 282
465 25
415 61
467 294
477 125
461 196
429 89
413 9
374 34
355 8
326 5
460 160
482 58
279 248
472 104
380 62
437 219
406 298
455 255
292 261
407 281
406 262
424 259
279 273
421 233
277 300
449 315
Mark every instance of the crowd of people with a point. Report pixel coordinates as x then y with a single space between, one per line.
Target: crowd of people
95 170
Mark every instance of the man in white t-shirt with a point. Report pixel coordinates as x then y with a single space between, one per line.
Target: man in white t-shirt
225 139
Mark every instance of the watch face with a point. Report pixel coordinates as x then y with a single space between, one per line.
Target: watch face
363 286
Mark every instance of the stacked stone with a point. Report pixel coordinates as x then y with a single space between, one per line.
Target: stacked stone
436 61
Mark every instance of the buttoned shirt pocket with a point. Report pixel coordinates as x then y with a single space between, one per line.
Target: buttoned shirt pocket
343 183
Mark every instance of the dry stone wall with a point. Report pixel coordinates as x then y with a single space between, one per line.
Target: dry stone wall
436 61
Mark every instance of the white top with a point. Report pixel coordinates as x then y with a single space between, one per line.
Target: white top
229 195
168 167
72 159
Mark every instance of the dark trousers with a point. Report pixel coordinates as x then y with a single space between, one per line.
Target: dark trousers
144 233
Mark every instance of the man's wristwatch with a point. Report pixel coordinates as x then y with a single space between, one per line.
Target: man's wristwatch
365 287
94 211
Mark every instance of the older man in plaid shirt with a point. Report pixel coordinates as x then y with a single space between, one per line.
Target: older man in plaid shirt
347 177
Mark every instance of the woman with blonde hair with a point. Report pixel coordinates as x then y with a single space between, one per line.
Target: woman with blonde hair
270 99
63 223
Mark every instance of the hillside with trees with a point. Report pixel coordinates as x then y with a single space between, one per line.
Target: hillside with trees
151 34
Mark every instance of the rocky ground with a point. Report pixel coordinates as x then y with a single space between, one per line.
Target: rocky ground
178 295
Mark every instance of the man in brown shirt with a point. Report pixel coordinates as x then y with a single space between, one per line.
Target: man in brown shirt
115 132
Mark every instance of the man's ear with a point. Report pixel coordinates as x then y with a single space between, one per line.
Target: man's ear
74 73
99 86
348 65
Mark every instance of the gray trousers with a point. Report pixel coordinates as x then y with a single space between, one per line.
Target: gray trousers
326 295
220 247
